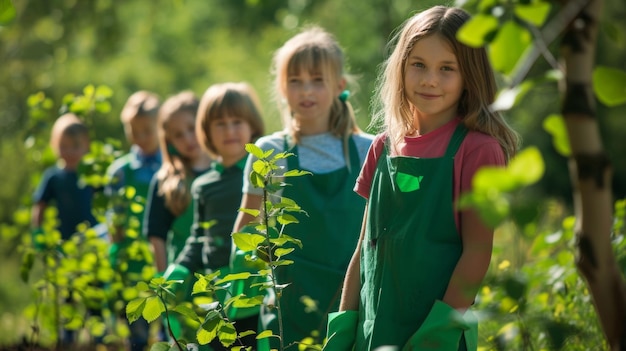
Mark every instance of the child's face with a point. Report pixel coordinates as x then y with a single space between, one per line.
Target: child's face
230 135
310 99
72 149
142 132
180 132
432 79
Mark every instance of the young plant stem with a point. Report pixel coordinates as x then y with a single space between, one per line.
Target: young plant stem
270 256
167 318
57 308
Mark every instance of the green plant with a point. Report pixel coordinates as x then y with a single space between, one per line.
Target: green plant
266 243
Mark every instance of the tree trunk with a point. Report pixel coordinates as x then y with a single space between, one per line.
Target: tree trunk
591 173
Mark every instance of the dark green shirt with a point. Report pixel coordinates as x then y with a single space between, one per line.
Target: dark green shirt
216 200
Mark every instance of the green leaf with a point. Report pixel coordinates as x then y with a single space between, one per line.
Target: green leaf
535 13
7 12
264 334
234 276
186 309
286 218
279 252
555 126
257 180
153 308
243 302
527 167
134 309
227 334
247 242
609 84
209 329
136 207
104 92
252 212
199 286
508 46
490 178
254 150
129 192
474 31
296 173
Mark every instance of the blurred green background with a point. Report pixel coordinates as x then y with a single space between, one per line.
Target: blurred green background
60 46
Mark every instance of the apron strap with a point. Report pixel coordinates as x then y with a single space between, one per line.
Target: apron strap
456 140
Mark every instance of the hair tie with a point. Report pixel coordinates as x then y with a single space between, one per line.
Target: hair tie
344 95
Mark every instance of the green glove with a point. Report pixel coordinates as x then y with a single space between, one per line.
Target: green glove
441 330
39 242
341 330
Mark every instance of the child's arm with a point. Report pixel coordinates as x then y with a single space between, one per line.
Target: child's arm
473 263
352 282
37 212
243 219
160 254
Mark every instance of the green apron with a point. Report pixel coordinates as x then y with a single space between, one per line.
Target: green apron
329 235
178 234
411 245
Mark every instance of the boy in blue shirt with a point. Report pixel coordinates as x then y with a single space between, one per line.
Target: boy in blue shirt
130 177
59 186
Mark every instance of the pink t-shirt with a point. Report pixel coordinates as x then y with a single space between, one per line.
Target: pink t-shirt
476 150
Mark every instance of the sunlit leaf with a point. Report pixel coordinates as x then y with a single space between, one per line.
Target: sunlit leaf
130 192
244 302
264 334
7 12
250 211
296 173
609 84
153 309
247 242
227 334
490 178
254 150
527 167
474 31
257 180
199 286
508 46
285 219
234 276
186 310
279 252
555 126
209 329
134 309
136 207
535 13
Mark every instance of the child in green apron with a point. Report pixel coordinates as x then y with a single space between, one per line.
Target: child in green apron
229 117
129 252
169 214
420 261
321 130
